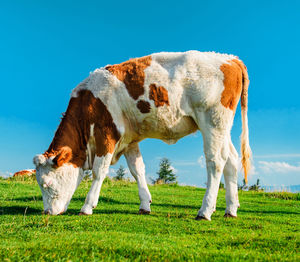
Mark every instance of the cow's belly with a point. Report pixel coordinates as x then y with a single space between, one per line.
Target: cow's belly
184 127
168 132
167 128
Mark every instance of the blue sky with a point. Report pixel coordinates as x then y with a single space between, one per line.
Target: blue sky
47 48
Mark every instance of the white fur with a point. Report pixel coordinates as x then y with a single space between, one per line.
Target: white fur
194 83
230 175
39 160
137 169
91 150
58 186
100 170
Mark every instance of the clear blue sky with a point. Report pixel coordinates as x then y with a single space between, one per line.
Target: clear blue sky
46 49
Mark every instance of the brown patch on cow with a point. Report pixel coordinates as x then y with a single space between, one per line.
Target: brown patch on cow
233 83
159 95
245 80
132 74
70 141
144 106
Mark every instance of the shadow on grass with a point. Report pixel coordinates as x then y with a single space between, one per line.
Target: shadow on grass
175 206
19 210
23 210
166 205
111 201
80 199
72 212
269 212
26 199
107 200
14 210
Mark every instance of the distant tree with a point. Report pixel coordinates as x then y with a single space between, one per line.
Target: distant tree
165 173
221 185
244 186
120 173
256 187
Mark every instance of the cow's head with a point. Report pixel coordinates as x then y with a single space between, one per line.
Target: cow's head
58 179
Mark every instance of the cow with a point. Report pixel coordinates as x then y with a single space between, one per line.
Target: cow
163 95
24 173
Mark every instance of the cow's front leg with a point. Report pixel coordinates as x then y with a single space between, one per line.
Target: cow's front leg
100 170
137 168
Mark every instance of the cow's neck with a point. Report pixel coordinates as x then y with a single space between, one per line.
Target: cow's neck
74 130
86 120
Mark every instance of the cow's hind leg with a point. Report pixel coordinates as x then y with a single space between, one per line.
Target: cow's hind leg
230 175
100 170
214 125
216 154
137 168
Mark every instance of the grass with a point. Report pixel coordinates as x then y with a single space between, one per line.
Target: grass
267 228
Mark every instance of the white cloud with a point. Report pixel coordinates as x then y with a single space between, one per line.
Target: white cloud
278 156
279 167
185 163
253 170
173 169
201 161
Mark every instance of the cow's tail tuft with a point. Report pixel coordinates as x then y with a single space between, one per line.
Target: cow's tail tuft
245 147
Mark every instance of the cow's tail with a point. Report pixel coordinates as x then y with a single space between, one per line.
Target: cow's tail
245 147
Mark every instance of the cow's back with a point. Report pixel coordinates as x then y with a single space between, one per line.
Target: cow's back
156 96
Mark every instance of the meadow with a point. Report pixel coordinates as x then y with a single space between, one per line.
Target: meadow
267 227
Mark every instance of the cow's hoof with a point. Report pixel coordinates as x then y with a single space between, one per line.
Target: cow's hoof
201 218
144 212
83 214
229 215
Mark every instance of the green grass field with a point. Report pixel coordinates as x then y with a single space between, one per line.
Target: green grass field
267 227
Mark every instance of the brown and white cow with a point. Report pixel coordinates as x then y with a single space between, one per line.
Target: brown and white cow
24 173
163 95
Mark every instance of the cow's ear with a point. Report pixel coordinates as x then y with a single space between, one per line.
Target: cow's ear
64 156
39 160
